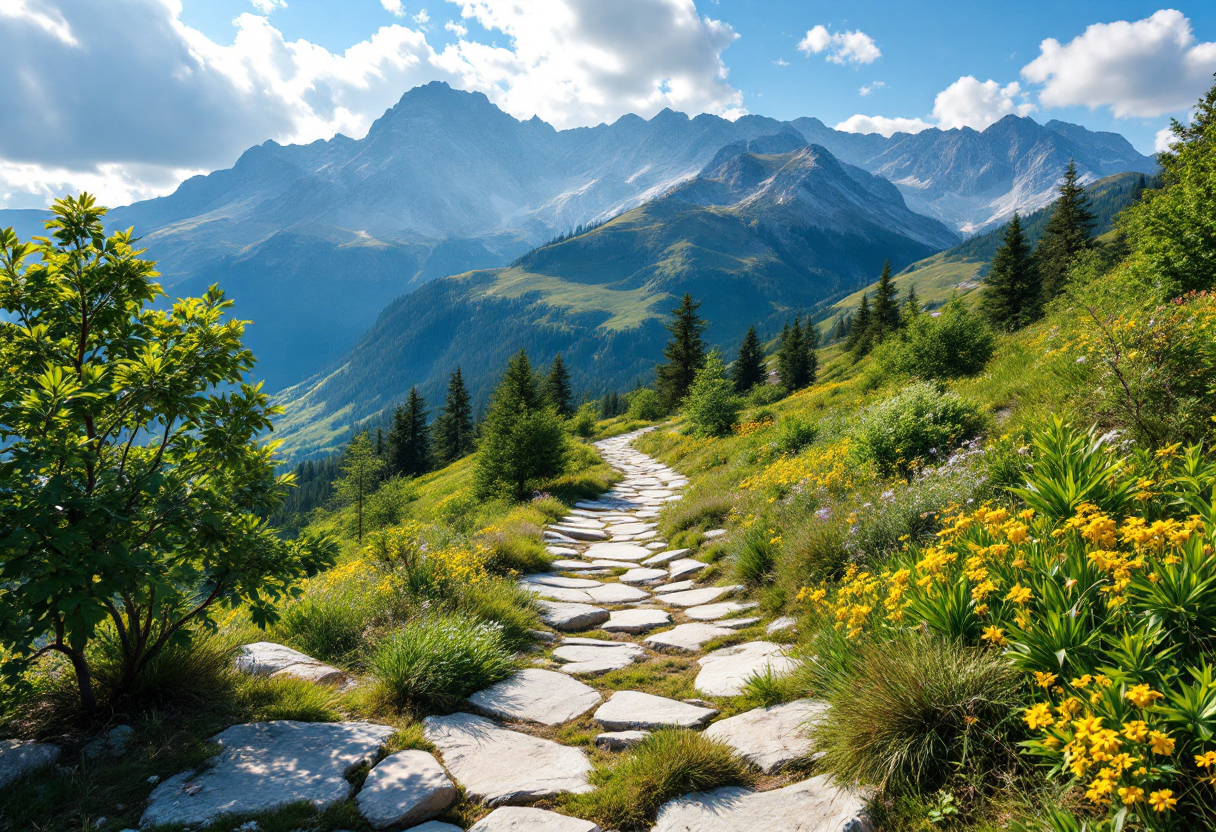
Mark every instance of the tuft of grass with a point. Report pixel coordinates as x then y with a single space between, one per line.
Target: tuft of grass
432 663
329 627
665 765
755 556
697 511
502 602
517 549
265 698
910 712
795 433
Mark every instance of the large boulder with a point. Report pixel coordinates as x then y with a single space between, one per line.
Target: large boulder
19 758
265 658
265 766
404 789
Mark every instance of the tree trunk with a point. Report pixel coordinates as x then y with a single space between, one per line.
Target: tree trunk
84 680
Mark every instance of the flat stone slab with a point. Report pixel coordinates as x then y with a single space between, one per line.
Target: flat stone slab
770 738
436 826
562 551
592 659
557 593
265 766
612 564
784 624
714 534
629 528
616 551
814 805
265 658
677 586
736 623
631 709
580 532
405 788
616 594
664 557
518 819
569 617
556 537
619 740
502 767
714 612
19 758
536 695
687 638
636 621
549 579
682 568
724 672
699 597
564 565
641 576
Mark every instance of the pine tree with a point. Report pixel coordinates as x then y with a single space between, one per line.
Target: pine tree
912 303
1069 231
749 368
522 442
792 358
557 388
685 353
409 440
810 343
453 430
858 341
842 328
1011 297
885 316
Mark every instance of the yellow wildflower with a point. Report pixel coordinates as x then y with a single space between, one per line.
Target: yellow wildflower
1163 800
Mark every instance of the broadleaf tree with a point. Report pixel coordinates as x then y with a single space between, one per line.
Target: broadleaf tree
132 467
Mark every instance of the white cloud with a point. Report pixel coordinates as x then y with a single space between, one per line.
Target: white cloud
456 29
869 88
394 7
422 18
178 102
881 124
575 62
853 47
1164 140
1145 68
268 6
781 62
969 102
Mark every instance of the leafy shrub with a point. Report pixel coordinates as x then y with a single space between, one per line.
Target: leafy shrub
918 423
794 433
1072 467
386 506
667 764
953 342
912 709
711 407
646 405
583 421
434 662
765 394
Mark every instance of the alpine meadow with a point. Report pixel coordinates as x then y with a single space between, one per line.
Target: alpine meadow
587 417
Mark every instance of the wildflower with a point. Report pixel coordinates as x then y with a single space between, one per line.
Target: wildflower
1044 680
1019 594
1039 716
1131 795
1162 744
994 634
1142 695
1136 730
1206 760
1163 800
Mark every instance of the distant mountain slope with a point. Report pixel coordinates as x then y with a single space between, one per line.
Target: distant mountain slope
962 267
313 241
767 227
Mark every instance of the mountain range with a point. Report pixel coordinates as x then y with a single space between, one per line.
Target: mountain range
314 241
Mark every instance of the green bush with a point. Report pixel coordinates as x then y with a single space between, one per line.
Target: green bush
667 764
326 627
197 672
386 506
954 342
504 603
646 405
918 424
583 421
765 394
711 407
755 557
795 433
911 711
434 662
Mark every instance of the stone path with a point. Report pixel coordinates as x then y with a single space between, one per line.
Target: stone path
615 579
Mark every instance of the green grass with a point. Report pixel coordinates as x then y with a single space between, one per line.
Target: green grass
667 764
627 308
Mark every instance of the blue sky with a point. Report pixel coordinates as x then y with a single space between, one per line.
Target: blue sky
191 83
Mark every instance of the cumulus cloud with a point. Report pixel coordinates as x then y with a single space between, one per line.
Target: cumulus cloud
267 6
881 124
422 18
394 7
869 88
456 29
969 102
852 47
1143 68
178 103
1164 140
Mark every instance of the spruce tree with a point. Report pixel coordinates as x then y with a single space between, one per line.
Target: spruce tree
523 442
685 353
1011 297
842 328
885 315
1069 231
792 357
860 333
749 368
912 303
409 440
557 388
453 430
810 343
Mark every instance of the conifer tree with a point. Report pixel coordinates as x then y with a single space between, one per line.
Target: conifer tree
409 439
912 303
842 328
360 473
1069 231
1011 297
810 343
858 341
522 441
749 368
557 388
453 430
792 357
685 353
885 315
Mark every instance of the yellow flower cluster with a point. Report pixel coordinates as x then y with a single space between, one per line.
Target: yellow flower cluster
749 428
820 467
404 547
